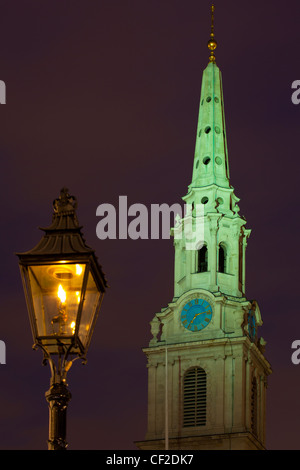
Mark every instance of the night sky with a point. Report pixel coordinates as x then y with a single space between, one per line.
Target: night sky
102 97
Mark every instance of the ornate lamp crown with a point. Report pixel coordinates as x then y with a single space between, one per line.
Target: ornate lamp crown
65 203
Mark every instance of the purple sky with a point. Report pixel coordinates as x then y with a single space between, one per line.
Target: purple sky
102 97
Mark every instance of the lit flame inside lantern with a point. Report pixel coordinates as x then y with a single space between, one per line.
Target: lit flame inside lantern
61 318
61 294
72 327
78 269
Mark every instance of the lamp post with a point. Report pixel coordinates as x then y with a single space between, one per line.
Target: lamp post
64 287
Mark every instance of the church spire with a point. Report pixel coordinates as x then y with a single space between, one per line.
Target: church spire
211 156
211 384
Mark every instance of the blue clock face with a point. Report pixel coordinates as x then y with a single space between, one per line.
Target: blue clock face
196 315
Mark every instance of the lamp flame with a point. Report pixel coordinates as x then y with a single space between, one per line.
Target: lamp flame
73 327
78 269
61 294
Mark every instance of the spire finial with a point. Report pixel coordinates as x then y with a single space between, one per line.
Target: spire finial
212 44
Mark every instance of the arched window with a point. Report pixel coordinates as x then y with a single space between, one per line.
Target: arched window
194 397
222 259
254 406
202 259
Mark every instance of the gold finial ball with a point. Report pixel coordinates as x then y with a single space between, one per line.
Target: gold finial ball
212 44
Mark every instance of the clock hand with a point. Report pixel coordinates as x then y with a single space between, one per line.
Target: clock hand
195 317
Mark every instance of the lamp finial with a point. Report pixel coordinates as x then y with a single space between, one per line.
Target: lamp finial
64 203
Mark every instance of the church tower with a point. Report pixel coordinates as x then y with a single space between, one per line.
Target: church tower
207 373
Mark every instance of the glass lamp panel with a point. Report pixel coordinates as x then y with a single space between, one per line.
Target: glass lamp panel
89 309
56 292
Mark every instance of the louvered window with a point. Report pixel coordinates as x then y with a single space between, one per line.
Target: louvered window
194 398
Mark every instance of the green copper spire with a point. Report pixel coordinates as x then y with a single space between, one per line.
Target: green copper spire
210 183
211 159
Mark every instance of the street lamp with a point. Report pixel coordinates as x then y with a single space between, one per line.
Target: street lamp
64 286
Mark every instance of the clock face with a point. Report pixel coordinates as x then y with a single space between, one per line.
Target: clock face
196 315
